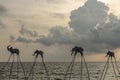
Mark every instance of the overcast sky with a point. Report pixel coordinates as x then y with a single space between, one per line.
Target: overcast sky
55 26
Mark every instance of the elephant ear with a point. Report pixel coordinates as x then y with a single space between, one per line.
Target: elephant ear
42 52
8 46
35 51
81 48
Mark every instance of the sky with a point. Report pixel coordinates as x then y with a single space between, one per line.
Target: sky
56 26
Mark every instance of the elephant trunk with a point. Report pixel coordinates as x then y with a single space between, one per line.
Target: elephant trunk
8 47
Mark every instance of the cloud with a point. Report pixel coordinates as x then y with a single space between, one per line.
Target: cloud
87 16
25 31
59 35
92 28
2 25
23 40
109 33
3 11
20 39
105 36
56 1
12 38
58 15
26 36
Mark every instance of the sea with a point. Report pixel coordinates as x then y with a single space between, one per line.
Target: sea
59 71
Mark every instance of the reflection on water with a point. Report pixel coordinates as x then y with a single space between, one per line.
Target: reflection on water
57 71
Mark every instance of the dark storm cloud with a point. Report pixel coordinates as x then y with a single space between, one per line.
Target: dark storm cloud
25 31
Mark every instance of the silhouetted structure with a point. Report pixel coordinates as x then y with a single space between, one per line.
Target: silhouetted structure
17 65
111 55
13 50
37 52
32 75
76 50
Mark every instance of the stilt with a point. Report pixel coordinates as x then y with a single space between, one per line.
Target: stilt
32 70
13 72
32 74
11 69
106 70
116 65
114 69
86 68
68 76
22 67
81 68
106 67
48 78
17 68
6 63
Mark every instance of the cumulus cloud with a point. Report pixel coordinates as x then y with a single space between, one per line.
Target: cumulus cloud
109 33
23 39
56 1
86 17
92 27
26 35
25 31
20 39
58 34
58 15
2 25
12 38
3 11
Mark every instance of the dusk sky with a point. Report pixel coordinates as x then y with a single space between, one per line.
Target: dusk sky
56 26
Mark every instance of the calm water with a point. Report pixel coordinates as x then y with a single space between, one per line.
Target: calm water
57 71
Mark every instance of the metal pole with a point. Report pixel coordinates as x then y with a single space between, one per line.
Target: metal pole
46 69
72 67
114 68
11 67
32 68
69 67
6 63
81 68
106 69
17 68
22 66
117 65
86 68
